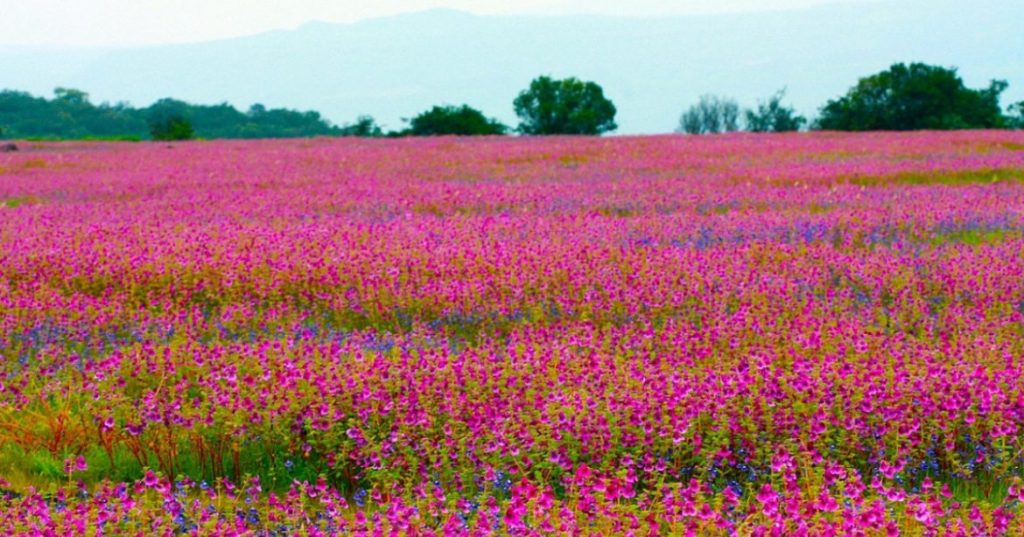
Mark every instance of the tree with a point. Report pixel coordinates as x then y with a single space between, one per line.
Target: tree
1015 119
172 128
711 115
454 120
364 127
772 116
914 97
71 97
568 106
168 120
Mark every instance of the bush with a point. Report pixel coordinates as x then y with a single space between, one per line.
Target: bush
454 120
772 116
364 127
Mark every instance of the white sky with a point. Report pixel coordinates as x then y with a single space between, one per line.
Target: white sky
132 22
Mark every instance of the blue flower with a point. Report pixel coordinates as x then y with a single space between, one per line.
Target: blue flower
360 497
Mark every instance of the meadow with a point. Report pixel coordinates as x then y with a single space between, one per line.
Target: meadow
764 335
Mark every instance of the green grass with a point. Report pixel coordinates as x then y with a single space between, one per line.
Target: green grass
14 203
969 491
966 177
971 237
112 138
23 469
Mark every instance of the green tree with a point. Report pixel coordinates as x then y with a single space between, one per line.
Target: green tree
364 127
72 111
172 128
914 97
169 120
1015 119
26 116
772 116
711 115
568 106
454 120
71 98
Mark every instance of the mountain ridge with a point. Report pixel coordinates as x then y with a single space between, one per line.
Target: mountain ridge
652 68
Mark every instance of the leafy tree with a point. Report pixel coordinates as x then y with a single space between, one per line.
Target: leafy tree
913 97
70 97
172 128
454 120
772 116
711 115
568 106
1015 119
364 127
168 120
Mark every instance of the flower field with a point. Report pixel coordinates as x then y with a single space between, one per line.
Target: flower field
761 335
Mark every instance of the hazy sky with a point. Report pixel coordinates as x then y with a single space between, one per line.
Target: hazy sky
131 22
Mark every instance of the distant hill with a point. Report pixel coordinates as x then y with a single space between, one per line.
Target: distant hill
652 68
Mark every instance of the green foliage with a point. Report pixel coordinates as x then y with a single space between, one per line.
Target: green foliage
261 122
568 106
454 120
14 203
364 127
71 115
772 116
914 97
711 115
168 120
68 115
962 177
174 128
71 98
1015 118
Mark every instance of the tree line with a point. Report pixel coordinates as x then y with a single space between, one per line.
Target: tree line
71 115
904 97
